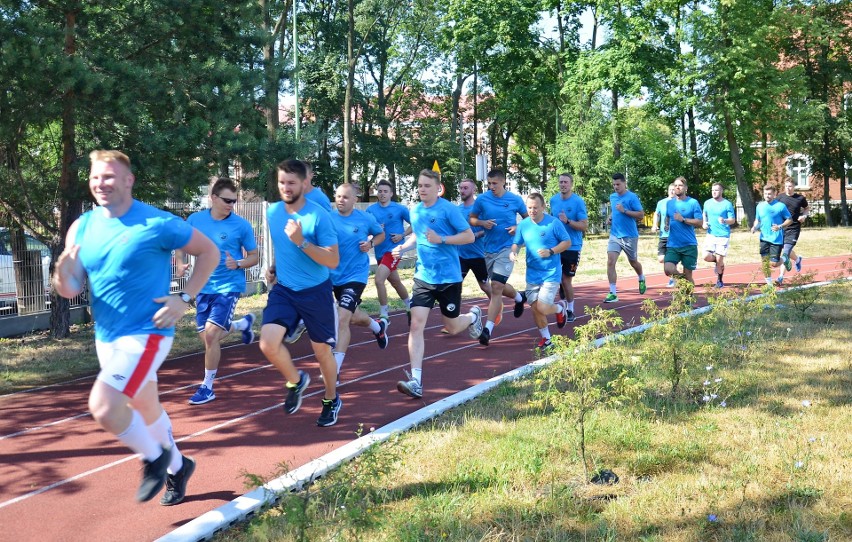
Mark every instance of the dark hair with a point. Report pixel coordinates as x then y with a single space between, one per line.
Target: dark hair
308 166
566 174
294 166
223 183
720 185
430 174
385 182
618 177
536 195
496 174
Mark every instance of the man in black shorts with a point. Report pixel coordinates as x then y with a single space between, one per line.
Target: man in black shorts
797 204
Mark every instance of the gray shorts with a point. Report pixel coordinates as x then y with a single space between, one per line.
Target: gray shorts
546 293
499 265
630 246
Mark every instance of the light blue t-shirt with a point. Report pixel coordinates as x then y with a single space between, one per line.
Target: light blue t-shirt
437 263
318 196
716 210
622 224
231 235
661 211
504 210
546 234
295 269
476 249
352 230
128 260
575 209
682 234
772 213
392 219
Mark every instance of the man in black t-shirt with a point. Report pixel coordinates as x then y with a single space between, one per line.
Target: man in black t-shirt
798 207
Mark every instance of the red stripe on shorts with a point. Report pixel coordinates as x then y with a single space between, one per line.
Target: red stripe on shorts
144 365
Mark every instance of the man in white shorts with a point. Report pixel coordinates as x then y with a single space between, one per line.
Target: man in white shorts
718 218
623 235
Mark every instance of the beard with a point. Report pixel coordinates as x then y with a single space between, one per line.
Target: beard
293 197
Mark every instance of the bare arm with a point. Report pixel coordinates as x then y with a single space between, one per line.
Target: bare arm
68 274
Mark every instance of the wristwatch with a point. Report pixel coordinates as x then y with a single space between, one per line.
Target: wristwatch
551 251
239 264
185 297
304 244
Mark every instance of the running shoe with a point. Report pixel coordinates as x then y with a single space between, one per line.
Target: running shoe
788 265
176 483
519 305
671 283
720 284
569 316
543 345
562 315
297 333
382 336
410 387
485 336
202 395
445 331
330 410
799 264
610 298
153 476
295 391
779 280
248 332
642 286
475 329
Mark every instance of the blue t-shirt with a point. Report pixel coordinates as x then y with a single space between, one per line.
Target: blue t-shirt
575 209
352 230
392 220
231 235
437 264
476 249
716 210
682 234
318 196
295 269
128 260
769 214
546 234
504 210
622 224
661 211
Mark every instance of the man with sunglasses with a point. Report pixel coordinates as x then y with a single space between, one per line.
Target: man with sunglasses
234 237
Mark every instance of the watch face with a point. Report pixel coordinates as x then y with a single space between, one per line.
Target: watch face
185 297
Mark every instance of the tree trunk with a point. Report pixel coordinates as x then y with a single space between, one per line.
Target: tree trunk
347 99
743 185
693 146
844 206
271 79
826 177
616 135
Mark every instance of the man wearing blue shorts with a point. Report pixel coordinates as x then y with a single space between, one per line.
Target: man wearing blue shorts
357 232
392 217
217 301
497 211
623 235
438 228
125 248
719 216
305 243
545 238
683 215
570 210
660 225
772 217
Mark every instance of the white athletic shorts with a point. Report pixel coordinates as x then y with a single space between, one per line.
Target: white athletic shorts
130 362
546 293
716 245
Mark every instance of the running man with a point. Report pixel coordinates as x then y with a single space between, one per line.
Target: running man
797 204
545 237
623 235
438 228
497 211
571 211
305 243
217 301
660 225
312 193
772 217
472 255
719 216
125 248
357 232
683 215
392 217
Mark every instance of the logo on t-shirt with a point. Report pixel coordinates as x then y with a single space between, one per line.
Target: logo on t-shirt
223 235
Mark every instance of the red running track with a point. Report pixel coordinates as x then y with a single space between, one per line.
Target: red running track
63 478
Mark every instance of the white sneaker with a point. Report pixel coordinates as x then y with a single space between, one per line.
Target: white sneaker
475 329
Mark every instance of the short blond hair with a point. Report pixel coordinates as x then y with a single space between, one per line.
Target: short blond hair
109 156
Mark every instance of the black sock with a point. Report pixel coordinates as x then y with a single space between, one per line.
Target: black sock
720 277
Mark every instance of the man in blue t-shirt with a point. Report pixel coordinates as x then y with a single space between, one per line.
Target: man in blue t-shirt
719 216
772 217
683 215
215 305
313 193
357 232
570 210
497 211
305 243
660 225
545 238
438 227
625 210
392 217
125 248
472 256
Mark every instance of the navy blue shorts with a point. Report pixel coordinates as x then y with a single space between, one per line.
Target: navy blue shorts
314 305
217 309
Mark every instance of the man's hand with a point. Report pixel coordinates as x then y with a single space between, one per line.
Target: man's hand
543 253
271 277
619 207
293 229
433 237
172 310
563 217
230 262
488 224
397 237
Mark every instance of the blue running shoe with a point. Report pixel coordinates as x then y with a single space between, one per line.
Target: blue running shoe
799 264
330 410
295 391
297 333
248 333
202 395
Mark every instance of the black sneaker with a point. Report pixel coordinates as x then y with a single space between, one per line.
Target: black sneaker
153 476
485 336
569 316
519 305
294 393
176 483
330 410
382 335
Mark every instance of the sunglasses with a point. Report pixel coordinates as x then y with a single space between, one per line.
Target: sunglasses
229 201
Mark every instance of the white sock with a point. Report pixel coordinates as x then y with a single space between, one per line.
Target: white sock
139 439
571 306
417 374
338 357
518 297
545 332
374 326
612 288
239 325
490 325
407 302
383 310
209 377
161 430
768 280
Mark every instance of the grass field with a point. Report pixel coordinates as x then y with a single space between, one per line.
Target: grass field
35 360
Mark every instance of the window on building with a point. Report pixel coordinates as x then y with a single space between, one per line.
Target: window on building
848 168
799 168
847 101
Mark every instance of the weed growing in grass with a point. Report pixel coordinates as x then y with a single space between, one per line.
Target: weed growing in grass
801 299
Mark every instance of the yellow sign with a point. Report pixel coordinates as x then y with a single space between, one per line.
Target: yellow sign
436 168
